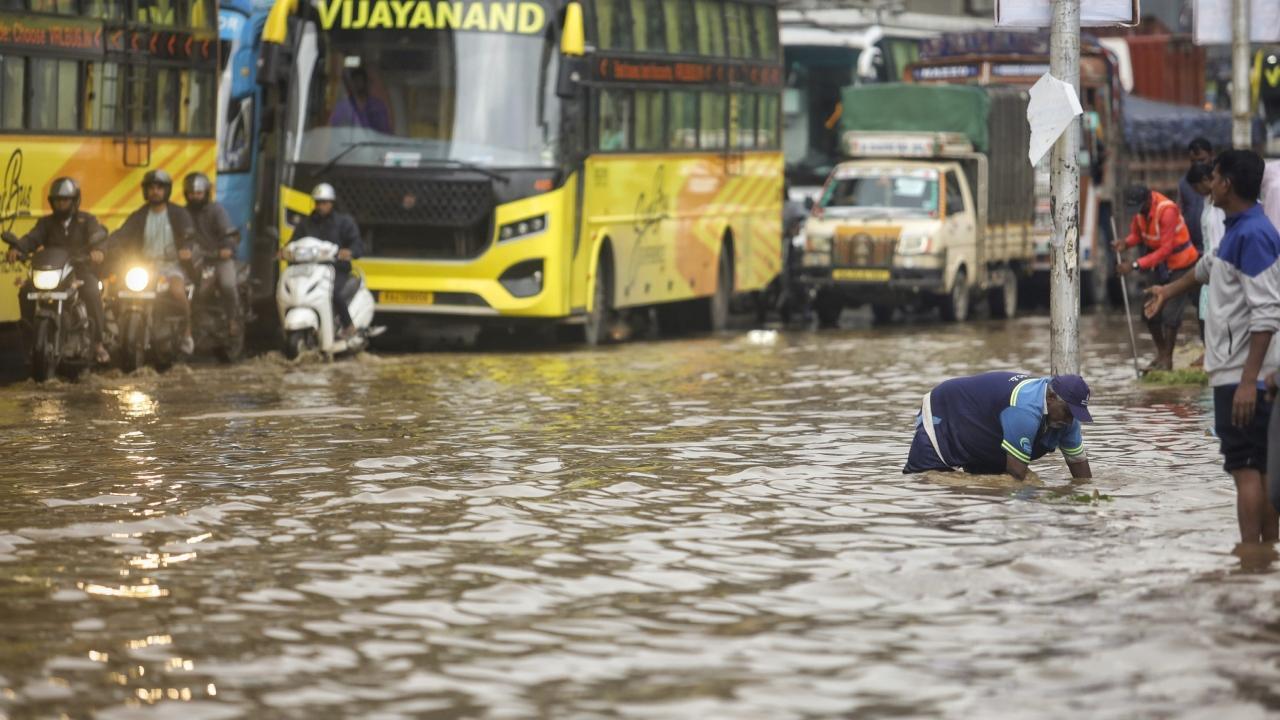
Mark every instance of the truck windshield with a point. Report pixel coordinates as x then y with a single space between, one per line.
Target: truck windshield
915 194
410 97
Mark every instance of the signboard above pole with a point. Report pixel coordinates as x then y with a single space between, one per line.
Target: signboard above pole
1093 13
1213 22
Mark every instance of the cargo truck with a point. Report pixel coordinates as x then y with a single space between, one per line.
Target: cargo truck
934 206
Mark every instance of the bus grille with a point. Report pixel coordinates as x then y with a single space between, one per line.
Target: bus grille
420 219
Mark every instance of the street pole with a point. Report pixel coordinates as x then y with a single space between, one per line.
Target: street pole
1064 277
1241 128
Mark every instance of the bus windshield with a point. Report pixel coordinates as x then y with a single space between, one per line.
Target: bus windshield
906 193
404 98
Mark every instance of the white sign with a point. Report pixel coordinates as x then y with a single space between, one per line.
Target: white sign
1213 22
1050 112
1039 13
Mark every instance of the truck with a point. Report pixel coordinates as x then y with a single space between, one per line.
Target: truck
934 206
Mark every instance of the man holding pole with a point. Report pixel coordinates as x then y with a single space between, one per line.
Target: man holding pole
1244 312
1158 225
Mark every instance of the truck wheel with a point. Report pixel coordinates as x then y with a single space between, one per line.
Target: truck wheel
955 306
828 306
1093 287
1004 299
881 314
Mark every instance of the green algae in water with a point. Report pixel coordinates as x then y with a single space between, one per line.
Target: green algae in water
1183 376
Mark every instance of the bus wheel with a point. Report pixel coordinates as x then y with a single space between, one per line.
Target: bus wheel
719 310
601 314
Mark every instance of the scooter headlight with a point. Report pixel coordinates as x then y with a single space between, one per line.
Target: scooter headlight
137 279
46 279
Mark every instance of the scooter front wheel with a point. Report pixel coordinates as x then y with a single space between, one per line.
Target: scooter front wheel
133 343
295 343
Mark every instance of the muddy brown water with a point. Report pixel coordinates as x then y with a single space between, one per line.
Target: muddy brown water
709 528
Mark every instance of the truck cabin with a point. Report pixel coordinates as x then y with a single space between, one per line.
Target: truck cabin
897 175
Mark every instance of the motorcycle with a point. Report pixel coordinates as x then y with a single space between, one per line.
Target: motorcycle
61 334
210 326
150 323
304 298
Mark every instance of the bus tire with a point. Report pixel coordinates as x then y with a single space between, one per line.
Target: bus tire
600 316
718 310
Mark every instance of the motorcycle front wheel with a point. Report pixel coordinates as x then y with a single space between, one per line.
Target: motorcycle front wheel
133 342
44 358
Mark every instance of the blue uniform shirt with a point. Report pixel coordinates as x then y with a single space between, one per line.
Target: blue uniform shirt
980 419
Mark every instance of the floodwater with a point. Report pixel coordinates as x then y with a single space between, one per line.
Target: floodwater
707 528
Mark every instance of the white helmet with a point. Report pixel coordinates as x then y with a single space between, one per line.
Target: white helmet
324 193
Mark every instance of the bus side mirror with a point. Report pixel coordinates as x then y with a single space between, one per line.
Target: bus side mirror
573 39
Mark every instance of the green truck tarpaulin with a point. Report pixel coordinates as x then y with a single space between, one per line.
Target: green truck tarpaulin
900 107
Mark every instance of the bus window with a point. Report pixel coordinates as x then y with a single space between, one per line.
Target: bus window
201 15
613 24
646 17
199 103
54 89
615 120
711 114
166 102
746 124
768 135
157 12
766 31
649 114
103 112
682 120
104 9
741 41
680 25
61 7
710 27
12 91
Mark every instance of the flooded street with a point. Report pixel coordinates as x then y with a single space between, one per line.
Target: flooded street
705 528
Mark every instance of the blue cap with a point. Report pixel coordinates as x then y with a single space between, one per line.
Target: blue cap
1074 391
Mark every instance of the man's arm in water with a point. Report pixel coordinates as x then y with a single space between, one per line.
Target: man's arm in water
1080 469
1015 467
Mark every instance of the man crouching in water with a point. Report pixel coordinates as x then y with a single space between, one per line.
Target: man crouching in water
999 422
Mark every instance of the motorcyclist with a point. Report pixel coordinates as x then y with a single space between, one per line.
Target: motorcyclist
340 229
218 239
80 234
163 233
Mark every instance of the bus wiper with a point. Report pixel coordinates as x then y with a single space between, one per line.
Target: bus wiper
464 165
363 143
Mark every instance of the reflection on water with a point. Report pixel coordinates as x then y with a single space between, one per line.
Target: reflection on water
706 528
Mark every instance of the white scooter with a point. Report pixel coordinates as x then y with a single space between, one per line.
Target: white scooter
305 300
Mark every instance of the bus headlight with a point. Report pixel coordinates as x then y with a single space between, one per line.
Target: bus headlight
46 279
137 279
522 228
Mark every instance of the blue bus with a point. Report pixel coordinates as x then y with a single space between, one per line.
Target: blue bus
239 111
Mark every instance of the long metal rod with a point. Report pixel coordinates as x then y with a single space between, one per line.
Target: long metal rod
1064 275
1128 314
1241 127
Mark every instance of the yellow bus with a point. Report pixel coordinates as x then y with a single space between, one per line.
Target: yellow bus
535 159
102 91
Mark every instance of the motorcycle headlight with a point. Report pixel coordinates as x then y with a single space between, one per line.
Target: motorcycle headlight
46 279
137 279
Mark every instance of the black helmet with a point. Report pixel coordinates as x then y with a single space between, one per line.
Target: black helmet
197 182
65 188
157 177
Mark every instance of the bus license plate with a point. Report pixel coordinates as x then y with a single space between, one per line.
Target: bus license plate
392 297
861 274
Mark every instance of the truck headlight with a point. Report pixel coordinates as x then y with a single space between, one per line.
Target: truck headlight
818 244
915 245
137 279
46 279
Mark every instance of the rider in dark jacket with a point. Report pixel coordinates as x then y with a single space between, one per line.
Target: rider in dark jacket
340 229
218 238
164 234
82 236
